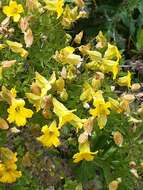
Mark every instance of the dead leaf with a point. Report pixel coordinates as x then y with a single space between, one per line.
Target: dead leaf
3 124
26 160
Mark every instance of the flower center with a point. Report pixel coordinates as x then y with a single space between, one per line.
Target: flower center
51 133
17 109
15 10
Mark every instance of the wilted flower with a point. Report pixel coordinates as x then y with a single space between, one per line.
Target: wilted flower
8 63
135 87
28 37
134 172
118 138
23 24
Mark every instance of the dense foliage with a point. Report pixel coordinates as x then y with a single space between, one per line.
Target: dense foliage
71 95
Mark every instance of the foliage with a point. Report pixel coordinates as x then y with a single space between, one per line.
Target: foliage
63 77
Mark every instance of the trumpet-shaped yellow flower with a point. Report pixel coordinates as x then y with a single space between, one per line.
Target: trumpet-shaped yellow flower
50 135
66 56
35 100
84 153
112 52
114 105
17 48
101 110
88 93
107 63
125 81
110 66
18 113
101 40
13 10
65 115
71 15
39 90
13 92
8 168
42 83
55 5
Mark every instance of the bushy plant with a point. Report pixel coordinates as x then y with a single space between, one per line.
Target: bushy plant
71 118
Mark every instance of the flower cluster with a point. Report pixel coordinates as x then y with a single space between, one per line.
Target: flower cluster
49 93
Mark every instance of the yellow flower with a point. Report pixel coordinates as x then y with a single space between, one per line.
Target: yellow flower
13 92
114 105
17 48
101 110
55 5
88 93
18 113
84 153
50 135
65 115
2 46
39 90
78 37
8 168
9 173
42 83
101 40
110 66
112 52
66 56
71 15
13 10
35 100
125 81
